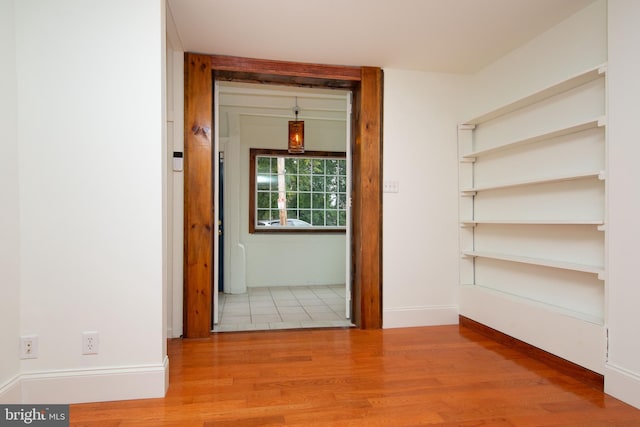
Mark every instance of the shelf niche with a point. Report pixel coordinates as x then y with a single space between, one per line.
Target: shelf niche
532 215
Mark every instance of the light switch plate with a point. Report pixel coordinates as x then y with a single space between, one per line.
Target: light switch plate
390 187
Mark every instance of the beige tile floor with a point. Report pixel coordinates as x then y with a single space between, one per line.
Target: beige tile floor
286 307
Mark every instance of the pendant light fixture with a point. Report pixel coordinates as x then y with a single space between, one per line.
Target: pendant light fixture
296 133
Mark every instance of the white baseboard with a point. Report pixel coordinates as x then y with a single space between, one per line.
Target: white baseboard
404 317
11 391
94 385
622 384
171 334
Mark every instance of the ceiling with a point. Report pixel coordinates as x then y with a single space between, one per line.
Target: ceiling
453 36
278 102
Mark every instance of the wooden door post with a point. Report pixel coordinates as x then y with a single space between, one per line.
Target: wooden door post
198 196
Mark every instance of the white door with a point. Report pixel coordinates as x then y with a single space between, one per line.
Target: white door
347 281
216 207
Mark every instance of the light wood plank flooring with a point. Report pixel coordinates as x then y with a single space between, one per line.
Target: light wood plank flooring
439 376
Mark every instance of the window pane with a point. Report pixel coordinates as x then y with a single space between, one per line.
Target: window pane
331 184
332 201
274 199
263 164
332 166
263 181
317 201
304 200
304 183
305 215
318 167
317 184
342 184
291 182
291 166
304 166
342 201
332 218
292 199
317 218
342 218
263 201
263 215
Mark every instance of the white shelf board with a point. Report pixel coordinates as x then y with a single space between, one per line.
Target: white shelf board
474 222
554 89
576 127
538 261
559 178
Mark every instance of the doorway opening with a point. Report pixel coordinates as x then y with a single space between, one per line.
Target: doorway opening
201 71
273 276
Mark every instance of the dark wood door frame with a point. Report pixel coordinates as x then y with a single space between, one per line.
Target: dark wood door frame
366 86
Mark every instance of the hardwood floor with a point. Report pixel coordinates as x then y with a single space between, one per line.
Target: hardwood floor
442 376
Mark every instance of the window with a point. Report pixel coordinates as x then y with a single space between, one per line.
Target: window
297 193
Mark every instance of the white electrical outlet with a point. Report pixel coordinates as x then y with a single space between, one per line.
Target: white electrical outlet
90 343
28 347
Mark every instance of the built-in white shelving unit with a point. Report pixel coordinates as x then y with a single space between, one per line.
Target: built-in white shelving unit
532 217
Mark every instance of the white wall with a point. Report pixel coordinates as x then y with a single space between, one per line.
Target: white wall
9 213
292 259
569 48
420 246
622 375
90 139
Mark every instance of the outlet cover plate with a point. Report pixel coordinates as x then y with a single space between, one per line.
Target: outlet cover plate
90 342
29 347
